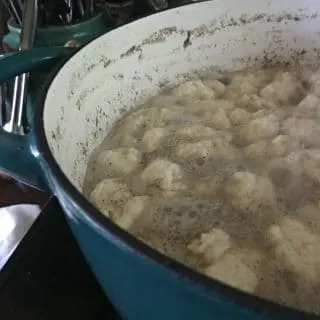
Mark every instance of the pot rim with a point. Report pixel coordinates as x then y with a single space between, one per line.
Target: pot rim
120 237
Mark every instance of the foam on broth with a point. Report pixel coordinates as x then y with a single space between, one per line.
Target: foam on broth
223 175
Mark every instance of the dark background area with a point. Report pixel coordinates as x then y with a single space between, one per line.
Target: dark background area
12 192
3 19
47 277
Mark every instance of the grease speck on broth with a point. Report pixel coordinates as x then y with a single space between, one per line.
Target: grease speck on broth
223 175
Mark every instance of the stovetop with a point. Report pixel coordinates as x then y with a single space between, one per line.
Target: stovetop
47 277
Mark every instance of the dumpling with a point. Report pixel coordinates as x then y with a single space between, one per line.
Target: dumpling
248 192
164 174
118 162
285 89
109 196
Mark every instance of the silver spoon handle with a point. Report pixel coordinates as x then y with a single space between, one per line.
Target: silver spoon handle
13 10
28 29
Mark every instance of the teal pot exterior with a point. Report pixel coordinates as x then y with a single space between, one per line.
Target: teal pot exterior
82 32
140 282
16 159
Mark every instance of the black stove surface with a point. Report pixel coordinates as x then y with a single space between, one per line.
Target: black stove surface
47 277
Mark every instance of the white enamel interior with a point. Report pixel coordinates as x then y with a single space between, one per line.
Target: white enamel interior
101 81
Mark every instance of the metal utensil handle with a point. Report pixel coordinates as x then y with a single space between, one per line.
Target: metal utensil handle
91 8
158 4
3 111
28 29
81 8
19 157
13 10
70 13
29 23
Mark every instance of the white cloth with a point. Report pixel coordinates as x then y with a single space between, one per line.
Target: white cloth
15 221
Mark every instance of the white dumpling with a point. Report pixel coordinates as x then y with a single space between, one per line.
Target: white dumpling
309 214
276 147
218 119
248 192
292 164
257 149
311 164
306 131
124 139
149 118
195 131
137 120
133 123
118 162
153 138
296 248
109 196
314 81
217 147
309 107
160 117
194 89
253 102
232 270
217 86
282 145
163 101
239 116
263 127
211 246
131 211
224 104
240 84
198 107
201 150
285 88
164 174
163 116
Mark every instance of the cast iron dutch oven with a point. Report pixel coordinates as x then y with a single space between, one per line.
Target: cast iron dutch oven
89 92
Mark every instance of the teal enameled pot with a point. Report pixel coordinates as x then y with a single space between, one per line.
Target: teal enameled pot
82 32
89 91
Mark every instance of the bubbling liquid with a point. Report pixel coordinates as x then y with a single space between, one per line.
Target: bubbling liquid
223 175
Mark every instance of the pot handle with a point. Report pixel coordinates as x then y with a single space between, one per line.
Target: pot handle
16 158
14 64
